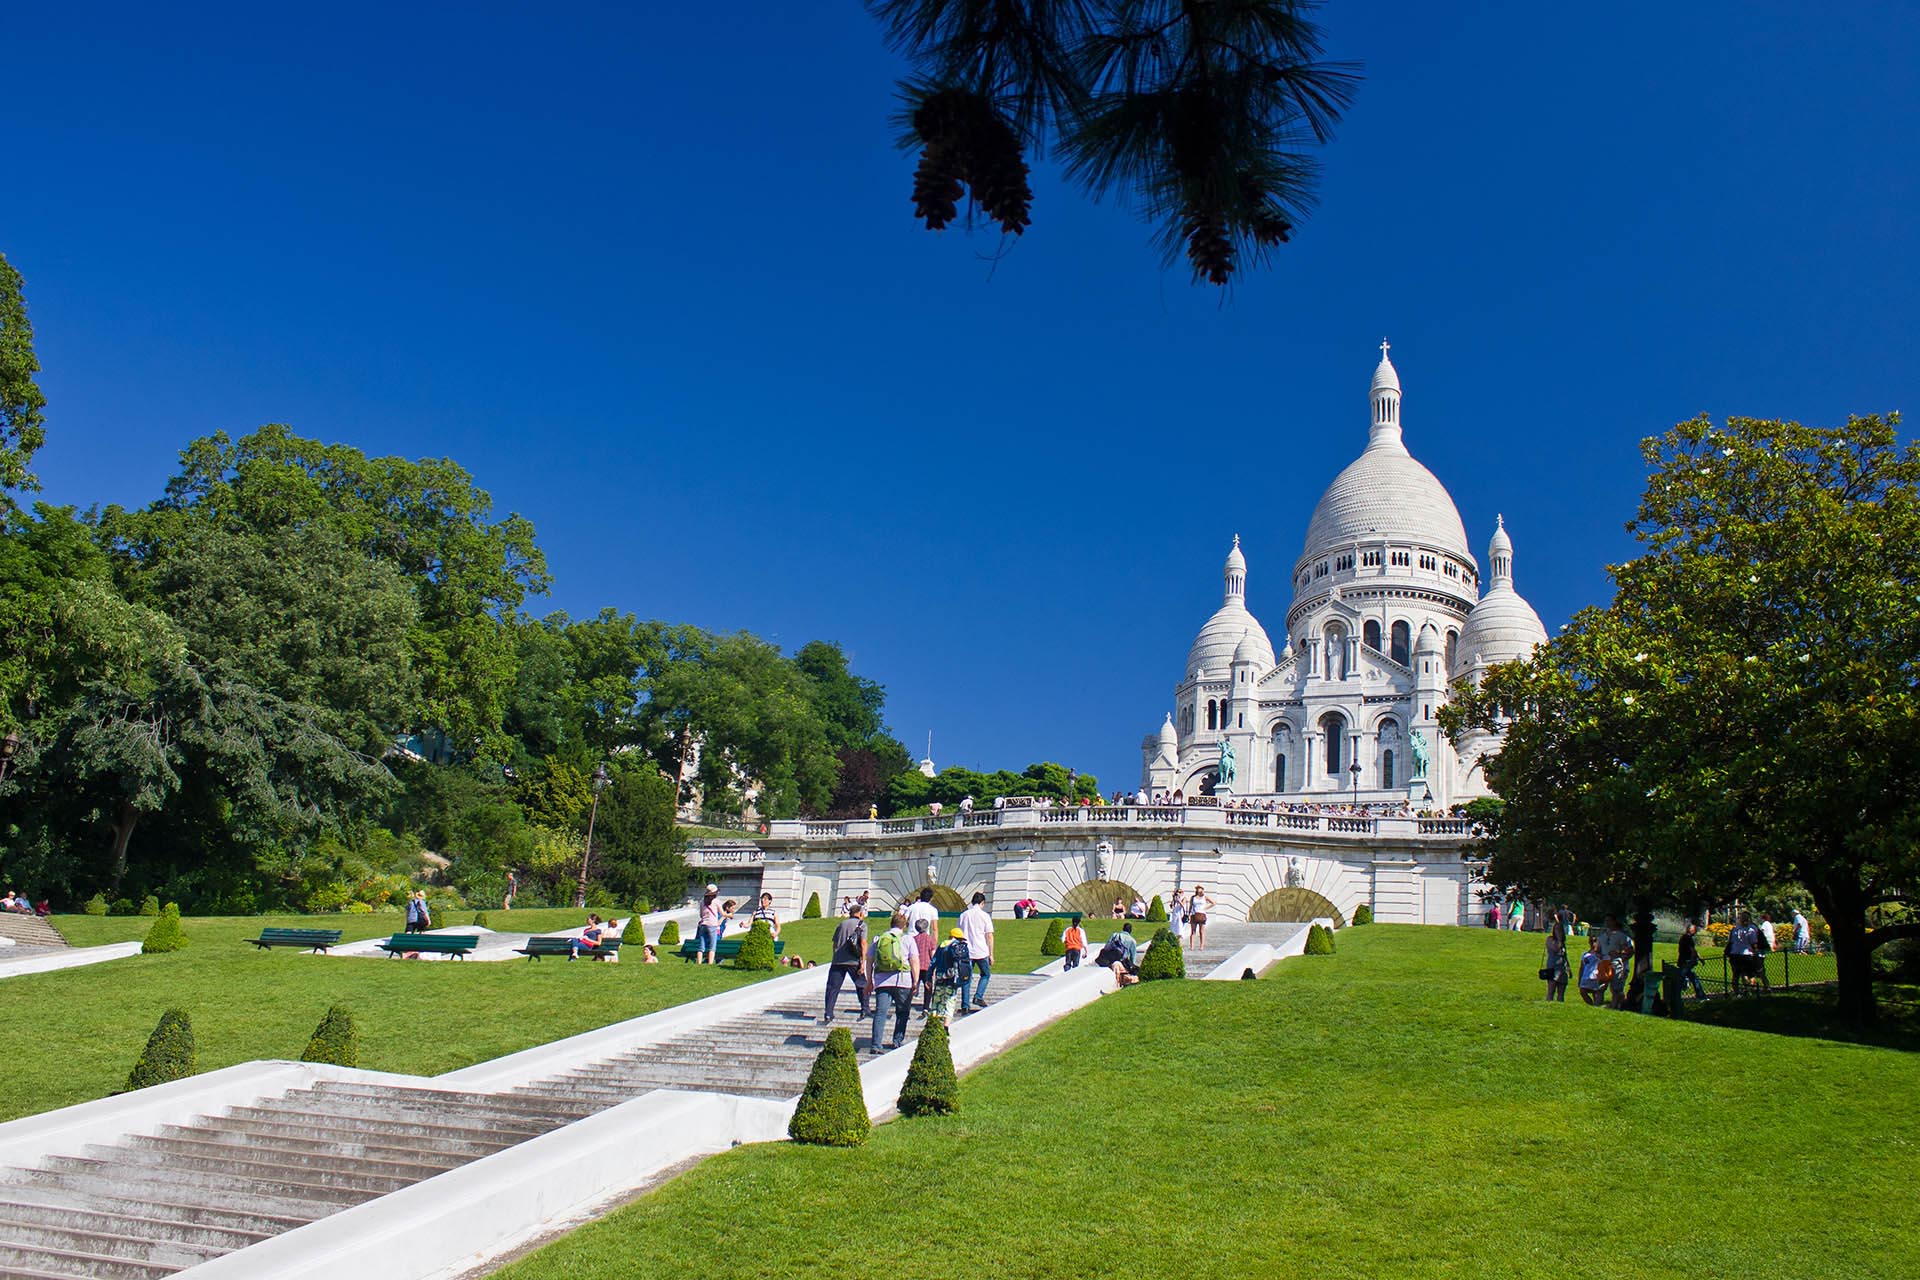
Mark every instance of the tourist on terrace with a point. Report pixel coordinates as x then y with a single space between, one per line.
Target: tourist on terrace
1617 947
924 910
1199 907
1690 961
923 949
513 888
951 969
589 939
1119 908
966 804
1744 957
978 928
706 934
1766 932
848 959
1556 971
891 960
1138 910
1177 913
1802 932
766 913
1590 987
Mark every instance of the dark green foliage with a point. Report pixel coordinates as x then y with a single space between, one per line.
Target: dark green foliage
634 934
1319 941
832 1110
170 1052
670 934
931 1088
22 426
166 934
813 908
150 906
479 919
1362 914
123 907
96 905
756 949
636 842
1054 943
1156 911
335 1040
1164 959
1248 975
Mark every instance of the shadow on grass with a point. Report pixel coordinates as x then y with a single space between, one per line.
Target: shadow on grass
1813 1013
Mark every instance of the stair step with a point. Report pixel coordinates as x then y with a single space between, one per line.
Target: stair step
238 1221
116 1172
347 1174
352 1112
404 1095
381 1141
100 1183
90 1241
66 1262
281 1153
129 1226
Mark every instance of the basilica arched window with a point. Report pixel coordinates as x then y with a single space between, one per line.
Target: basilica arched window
1386 770
1453 647
1402 651
1334 726
1212 714
1370 633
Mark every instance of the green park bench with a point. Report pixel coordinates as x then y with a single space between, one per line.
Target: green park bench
304 939
537 947
431 944
727 949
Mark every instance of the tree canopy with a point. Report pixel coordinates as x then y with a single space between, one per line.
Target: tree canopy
22 424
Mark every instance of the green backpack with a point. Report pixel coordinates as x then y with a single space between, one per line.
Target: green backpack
890 952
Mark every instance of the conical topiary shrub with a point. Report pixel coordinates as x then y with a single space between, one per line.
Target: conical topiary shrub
932 1088
670 934
479 919
832 1110
813 908
165 934
96 905
149 906
1157 911
1164 959
170 1053
335 1040
1055 943
1362 914
1319 941
756 949
634 933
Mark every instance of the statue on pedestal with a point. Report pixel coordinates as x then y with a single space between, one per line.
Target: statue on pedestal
1418 738
1294 878
933 872
1226 767
1103 861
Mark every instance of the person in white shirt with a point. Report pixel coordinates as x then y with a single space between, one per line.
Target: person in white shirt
1802 932
924 910
1766 931
977 926
1199 906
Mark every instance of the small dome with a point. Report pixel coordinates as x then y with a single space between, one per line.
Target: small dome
1385 376
1500 542
1502 627
1214 648
1429 641
1234 559
1248 650
1168 737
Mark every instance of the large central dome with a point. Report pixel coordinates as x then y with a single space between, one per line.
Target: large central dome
1384 495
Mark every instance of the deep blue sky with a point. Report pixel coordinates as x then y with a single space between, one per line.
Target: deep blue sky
651 276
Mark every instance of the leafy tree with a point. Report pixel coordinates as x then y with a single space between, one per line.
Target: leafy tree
1200 115
1746 711
22 426
636 843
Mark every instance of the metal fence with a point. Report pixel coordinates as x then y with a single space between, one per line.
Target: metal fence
1782 969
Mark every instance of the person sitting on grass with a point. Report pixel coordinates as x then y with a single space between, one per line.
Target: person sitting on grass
1591 986
589 939
652 956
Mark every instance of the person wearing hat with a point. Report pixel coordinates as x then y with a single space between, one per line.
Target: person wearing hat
952 966
849 960
713 920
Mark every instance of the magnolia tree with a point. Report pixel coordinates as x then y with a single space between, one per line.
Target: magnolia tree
1745 712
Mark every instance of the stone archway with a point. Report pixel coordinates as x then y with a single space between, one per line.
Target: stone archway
1094 898
1295 905
946 899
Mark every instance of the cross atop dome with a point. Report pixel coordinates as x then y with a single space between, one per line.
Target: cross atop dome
1385 394
1384 344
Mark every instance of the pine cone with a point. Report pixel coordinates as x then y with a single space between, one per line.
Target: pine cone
1209 249
936 187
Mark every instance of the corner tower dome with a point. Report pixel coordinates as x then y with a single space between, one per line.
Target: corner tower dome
1384 495
1214 648
1502 627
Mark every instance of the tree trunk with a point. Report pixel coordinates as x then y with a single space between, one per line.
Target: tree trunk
1845 908
122 833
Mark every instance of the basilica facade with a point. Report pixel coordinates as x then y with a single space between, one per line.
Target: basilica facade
1389 609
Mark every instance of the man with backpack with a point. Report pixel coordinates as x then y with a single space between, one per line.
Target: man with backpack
894 965
849 959
952 966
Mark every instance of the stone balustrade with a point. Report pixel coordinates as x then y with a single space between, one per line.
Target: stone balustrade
1397 827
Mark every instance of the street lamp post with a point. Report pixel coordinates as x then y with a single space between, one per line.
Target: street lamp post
600 780
1354 770
9 747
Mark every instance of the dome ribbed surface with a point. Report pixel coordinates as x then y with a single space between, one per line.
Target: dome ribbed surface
1501 628
1384 493
1214 647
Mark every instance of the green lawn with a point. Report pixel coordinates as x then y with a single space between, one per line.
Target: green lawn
1408 1107
72 1035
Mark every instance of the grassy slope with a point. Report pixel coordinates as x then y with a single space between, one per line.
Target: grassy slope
72 1035
1409 1107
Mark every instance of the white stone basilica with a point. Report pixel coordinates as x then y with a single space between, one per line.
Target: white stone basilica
1387 611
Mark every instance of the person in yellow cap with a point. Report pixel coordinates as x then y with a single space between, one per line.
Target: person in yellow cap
952 965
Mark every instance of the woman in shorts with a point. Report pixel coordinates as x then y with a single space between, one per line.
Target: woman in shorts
1198 906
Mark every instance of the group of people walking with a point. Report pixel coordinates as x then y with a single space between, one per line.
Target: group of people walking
905 959
1612 973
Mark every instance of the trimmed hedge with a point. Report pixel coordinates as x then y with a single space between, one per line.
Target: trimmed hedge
165 934
1362 914
1156 911
635 933
813 908
832 1110
335 1040
670 935
170 1053
932 1088
96 905
1164 959
150 906
479 919
756 949
1054 944
1319 941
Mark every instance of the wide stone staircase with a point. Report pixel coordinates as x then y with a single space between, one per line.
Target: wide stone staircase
152 1205
29 931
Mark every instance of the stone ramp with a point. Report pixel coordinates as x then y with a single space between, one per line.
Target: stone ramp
1225 937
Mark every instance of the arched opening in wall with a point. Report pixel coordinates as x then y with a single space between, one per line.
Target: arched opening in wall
1294 905
1402 651
1336 638
1280 772
1211 708
946 899
1386 770
1094 898
1453 648
1334 726
1370 633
